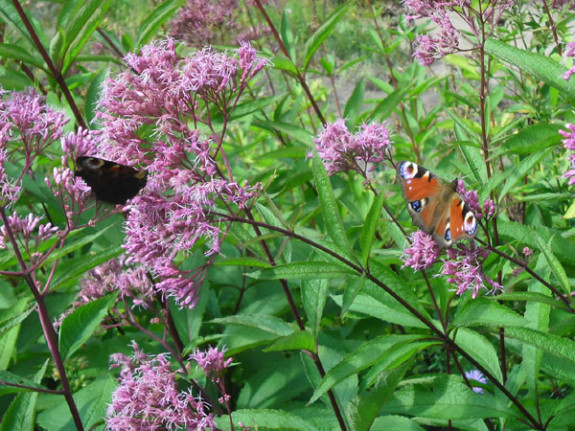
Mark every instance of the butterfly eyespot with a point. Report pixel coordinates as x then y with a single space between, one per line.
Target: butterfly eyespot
470 224
448 235
417 206
407 170
93 162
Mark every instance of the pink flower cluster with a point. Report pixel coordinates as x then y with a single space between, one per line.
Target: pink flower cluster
152 116
113 276
203 22
446 37
148 397
213 363
167 93
471 198
27 127
9 189
423 251
28 232
569 144
342 151
446 40
464 269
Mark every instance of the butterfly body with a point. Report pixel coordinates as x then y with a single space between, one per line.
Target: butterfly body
435 206
111 182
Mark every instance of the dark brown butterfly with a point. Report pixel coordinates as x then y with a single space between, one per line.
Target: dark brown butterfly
110 182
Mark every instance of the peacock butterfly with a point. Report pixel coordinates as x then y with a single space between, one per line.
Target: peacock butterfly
435 206
110 182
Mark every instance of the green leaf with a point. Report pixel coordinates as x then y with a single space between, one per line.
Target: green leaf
371 403
570 212
155 19
299 340
553 262
474 160
518 172
444 398
243 261
70 269
270 324
563 249
78 20
316 39
314 296
482 312
93 95
78 327
558 346
303 271
291 152
354 104
11 323
540 66
261 103
384 109
329 208
263 419
350 293
19 53
291 130
483 350
528 140
395 423
528 297
273 386
75 241
92 402
16 314
285 64
386 351
11 16
22 411
286 32
13 379
537 315
385 274
368 231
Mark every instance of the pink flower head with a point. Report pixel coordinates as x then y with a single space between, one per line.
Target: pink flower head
569 144
428 48
26 117
471 198
423 251
559 4
148 397
341 151
151 119
112 276
9 190
445 39
464 269
28 232
203 22
212 361
27 127
427 8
